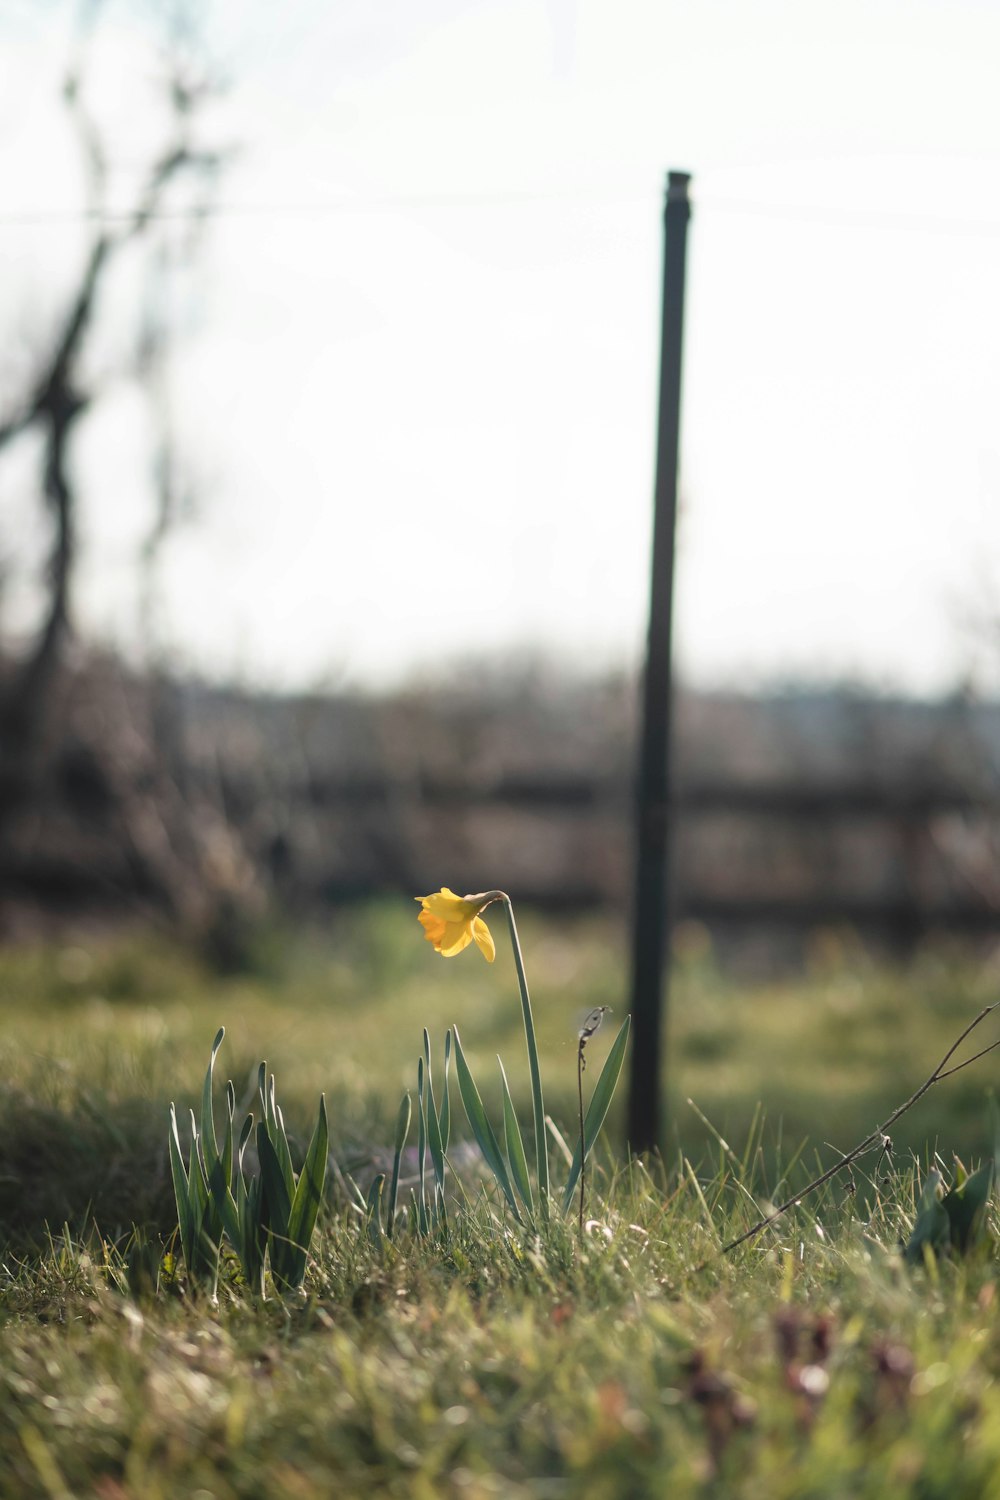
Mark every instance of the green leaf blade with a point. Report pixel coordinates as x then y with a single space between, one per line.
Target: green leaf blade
402 1131
599 1105
225 1207
966 1207
422 1221
482 1129
444 1120
308 1196
516 1157
181 1193
275 1203
434 1141
210 1145
374 1209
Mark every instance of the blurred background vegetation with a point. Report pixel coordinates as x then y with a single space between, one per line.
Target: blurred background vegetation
102 1032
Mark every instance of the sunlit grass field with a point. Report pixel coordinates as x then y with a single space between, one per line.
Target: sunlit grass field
489 1361
99 1035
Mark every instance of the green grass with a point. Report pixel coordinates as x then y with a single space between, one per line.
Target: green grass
98 1038
498 1364
489 1362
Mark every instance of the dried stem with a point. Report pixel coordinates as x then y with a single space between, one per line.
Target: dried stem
590 1025
583 1144
876 1137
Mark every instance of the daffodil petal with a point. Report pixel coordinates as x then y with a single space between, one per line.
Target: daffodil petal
433 927
452 922
484 939
455 937
449 907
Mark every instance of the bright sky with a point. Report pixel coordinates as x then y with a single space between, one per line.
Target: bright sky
420 389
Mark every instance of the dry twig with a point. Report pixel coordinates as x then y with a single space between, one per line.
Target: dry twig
587 1030
877 1137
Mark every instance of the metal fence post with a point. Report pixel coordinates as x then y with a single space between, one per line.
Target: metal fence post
654 813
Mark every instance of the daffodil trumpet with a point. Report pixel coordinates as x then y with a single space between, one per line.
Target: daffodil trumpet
451 923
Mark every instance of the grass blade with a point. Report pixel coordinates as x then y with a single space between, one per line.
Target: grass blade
374 1224
559 1139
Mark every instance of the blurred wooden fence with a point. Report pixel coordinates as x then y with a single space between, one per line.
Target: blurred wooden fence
895 861
792 815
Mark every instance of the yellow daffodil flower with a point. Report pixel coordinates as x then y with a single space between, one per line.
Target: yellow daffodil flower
452 922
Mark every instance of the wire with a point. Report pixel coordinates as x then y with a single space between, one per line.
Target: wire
374 203
380 202
850 218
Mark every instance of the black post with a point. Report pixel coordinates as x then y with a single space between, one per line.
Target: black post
651 900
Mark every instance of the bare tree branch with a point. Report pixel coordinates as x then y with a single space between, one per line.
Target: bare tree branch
877 1136
58 399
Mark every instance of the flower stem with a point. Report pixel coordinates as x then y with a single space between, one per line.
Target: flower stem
537 1104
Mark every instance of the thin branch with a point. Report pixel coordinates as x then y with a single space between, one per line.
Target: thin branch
14 426
58 398
974 1058
870 1141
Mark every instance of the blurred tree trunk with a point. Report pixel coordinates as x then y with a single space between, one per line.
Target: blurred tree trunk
54 408
172 853
61 396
